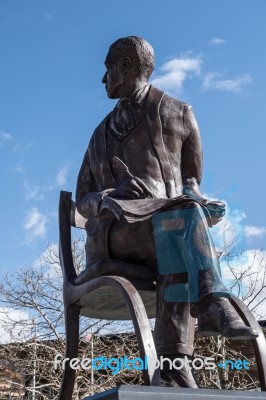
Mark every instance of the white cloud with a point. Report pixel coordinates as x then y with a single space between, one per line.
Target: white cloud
50 259
35 224
20 169
18 333
62 175
19 147
213 80
37 192
49 262
32 191
172 74
229 232
5 137
254 231
51 253
216 41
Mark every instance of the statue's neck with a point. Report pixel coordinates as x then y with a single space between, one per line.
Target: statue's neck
137 85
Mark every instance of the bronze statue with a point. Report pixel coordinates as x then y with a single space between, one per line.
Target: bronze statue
144 162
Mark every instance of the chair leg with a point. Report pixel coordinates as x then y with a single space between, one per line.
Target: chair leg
259 344
72 341
151 375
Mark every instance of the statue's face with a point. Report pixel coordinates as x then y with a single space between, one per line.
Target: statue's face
114 77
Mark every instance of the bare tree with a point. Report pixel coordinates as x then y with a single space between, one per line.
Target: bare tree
244 272
246 275
32 317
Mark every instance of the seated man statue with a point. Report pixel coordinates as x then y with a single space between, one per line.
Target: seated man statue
139 184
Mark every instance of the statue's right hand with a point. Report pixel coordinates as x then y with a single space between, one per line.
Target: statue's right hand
132 188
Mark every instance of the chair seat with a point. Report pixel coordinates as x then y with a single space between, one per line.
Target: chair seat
107 303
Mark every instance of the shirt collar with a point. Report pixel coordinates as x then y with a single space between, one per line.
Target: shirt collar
137 96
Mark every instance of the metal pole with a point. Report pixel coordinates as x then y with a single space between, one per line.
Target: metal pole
34 363
92 356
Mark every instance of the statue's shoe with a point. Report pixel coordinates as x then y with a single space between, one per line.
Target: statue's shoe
180 378
219 317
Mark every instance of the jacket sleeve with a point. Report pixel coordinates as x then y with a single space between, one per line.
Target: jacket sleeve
191 166
87 198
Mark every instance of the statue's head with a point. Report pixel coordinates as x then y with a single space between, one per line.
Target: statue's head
129 60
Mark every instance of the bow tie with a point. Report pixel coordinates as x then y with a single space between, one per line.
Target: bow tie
124 102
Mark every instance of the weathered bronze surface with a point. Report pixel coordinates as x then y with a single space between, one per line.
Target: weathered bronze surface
138 183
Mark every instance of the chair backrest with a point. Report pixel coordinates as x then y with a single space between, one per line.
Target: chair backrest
65 248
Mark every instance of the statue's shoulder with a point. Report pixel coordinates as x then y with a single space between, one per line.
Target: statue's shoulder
167 104
172 112
171 105
99 131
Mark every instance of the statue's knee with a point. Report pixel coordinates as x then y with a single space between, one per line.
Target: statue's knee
195 208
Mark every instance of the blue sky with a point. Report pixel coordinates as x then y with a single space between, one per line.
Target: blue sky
209 53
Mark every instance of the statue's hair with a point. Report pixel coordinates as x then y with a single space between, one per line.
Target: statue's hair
142 52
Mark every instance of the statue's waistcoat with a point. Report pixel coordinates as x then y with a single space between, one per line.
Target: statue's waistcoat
137 152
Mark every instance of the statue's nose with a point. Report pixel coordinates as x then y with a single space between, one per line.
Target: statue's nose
104 80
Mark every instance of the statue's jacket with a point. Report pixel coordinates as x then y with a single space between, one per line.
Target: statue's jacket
163 150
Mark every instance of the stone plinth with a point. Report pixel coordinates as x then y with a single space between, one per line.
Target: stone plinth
163 393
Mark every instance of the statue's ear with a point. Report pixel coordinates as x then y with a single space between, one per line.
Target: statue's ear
126 64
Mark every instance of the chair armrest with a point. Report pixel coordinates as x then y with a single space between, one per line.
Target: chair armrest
76 219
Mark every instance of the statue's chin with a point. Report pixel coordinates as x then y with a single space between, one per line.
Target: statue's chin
114 91
112 95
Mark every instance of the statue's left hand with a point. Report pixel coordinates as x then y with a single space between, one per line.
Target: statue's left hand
216 210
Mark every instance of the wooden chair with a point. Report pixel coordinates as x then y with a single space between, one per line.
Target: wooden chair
89 294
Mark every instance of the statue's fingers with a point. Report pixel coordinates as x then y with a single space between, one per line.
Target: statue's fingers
133 194
136 187
143 186
217 203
